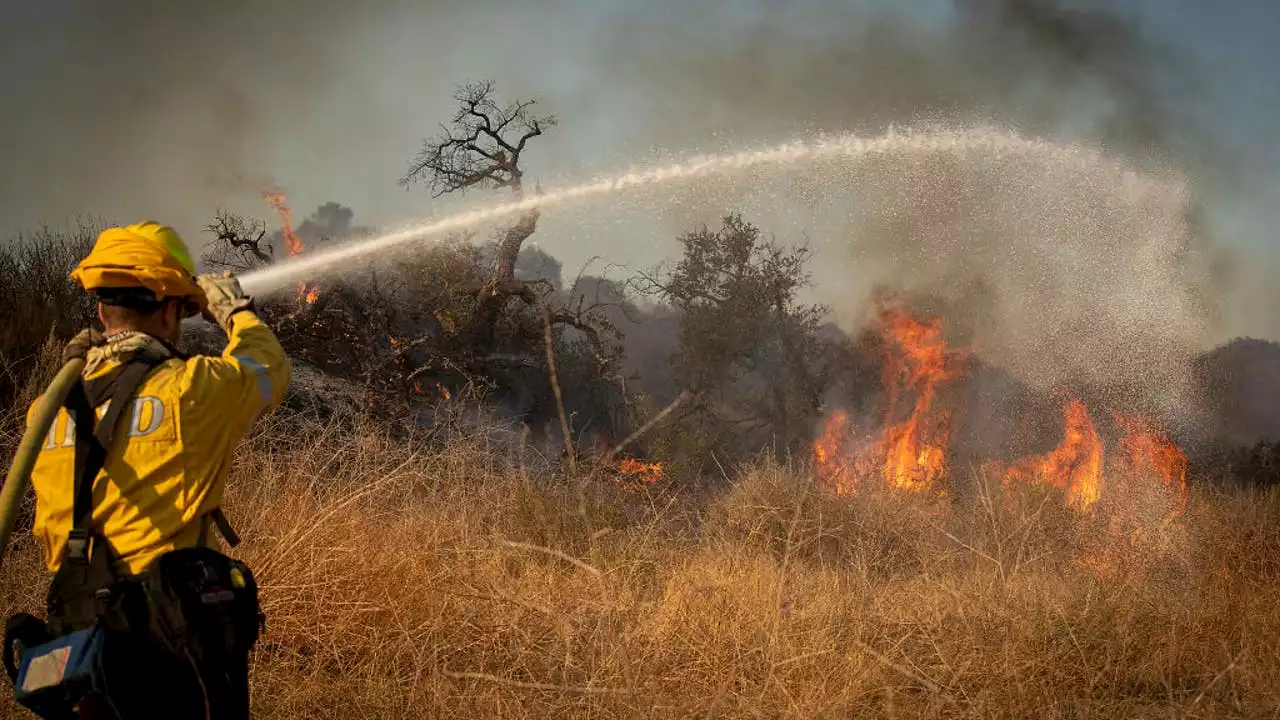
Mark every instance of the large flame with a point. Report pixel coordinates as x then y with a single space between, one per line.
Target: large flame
1142 456
911 453
918 361
1075 465
1124 484
1148 455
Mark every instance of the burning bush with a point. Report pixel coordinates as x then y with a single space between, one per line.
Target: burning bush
1127 482
408 327
452 319
912 451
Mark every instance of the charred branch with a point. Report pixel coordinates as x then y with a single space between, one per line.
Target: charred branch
554 377
577 323
607 458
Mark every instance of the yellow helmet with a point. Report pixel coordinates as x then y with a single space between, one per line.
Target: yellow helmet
146 255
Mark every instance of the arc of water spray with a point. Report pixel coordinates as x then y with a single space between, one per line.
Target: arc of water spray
994 142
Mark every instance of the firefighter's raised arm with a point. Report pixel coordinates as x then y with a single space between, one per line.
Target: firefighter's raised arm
253 372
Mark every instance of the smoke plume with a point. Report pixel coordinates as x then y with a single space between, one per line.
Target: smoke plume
1064 275
176 108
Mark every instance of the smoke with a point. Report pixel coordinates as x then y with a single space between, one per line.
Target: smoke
174 109
1063 275
152 109
1089 48
1048 66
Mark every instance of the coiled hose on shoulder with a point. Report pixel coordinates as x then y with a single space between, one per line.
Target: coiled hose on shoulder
19 477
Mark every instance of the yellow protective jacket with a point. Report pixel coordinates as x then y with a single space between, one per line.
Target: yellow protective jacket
167 466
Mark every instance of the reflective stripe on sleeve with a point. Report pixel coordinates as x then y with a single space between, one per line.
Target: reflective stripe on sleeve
265 388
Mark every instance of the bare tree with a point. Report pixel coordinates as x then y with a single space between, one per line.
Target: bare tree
482 148
239 243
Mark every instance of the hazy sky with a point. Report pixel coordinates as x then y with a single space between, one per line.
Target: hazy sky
171 109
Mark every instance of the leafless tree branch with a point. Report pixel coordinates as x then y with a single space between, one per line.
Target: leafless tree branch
239 243
483 145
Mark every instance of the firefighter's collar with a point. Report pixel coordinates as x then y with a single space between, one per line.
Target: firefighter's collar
128 345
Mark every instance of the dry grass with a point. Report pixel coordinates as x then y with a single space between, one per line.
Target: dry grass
403 580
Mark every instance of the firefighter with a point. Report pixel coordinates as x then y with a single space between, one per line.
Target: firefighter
133 545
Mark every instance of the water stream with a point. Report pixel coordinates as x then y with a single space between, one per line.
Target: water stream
987 142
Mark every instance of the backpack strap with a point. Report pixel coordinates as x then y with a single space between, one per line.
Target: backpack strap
93 439
224 527
219 520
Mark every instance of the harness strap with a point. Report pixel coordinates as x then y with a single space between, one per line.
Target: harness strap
93 438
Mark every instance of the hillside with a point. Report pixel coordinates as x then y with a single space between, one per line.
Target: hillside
1241 380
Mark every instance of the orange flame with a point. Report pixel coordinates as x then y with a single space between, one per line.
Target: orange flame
915 449
834 468
1146 454
634 472
277 200
911 453
441 390
292 242
1075 465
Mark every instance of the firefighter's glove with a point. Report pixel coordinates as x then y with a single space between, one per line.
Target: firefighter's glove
225 298
78 347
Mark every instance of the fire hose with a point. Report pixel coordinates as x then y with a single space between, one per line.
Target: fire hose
43 417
